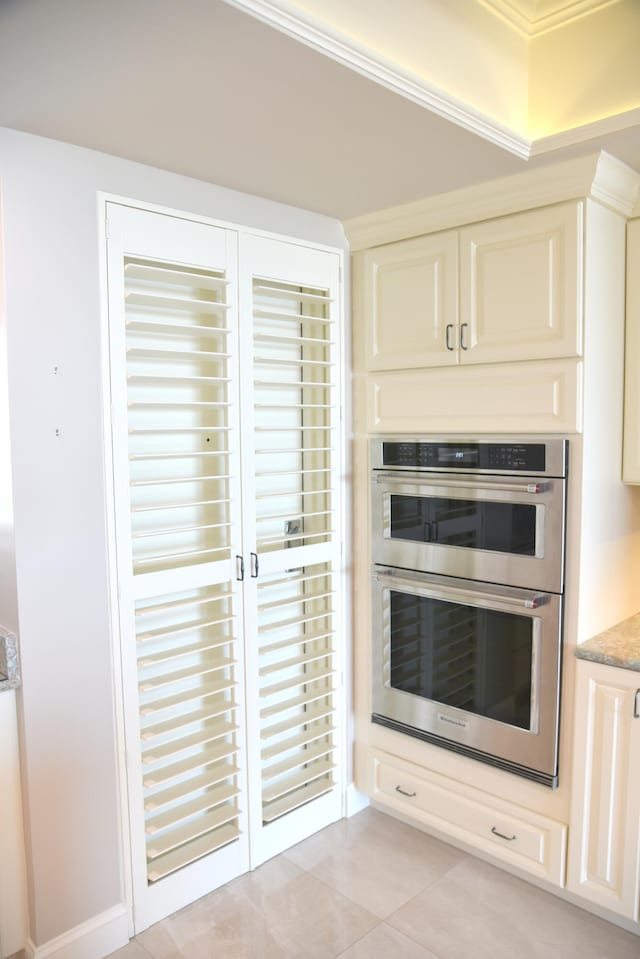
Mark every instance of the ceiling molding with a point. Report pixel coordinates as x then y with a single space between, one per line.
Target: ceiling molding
347 52
588 131
599 175
532 18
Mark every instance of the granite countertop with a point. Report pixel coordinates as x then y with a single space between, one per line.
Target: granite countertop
9 671
618 646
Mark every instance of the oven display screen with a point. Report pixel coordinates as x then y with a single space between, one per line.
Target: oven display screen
496 457
458 456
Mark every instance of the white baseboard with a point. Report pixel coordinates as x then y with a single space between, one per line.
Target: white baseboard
94 939
355 801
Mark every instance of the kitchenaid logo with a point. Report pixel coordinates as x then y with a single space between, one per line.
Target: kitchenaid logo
451 721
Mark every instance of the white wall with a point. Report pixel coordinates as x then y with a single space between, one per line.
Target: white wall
53 311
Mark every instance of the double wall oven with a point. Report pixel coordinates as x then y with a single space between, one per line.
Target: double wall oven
468 543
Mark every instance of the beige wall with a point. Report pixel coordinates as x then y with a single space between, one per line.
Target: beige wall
585 71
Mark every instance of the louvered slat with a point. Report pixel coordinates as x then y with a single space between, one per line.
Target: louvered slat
210 776
158 845
200 760
164 865
174 747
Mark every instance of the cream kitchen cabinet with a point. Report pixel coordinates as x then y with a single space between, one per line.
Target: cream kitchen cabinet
501 290
631 453
521 286
604 832
411 301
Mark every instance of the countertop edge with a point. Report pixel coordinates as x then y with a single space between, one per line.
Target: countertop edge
618 646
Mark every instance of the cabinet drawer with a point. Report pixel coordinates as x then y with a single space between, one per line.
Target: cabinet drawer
541 397
516 835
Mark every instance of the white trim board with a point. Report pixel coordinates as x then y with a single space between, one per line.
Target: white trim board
531 18
94 939
601 176
355 801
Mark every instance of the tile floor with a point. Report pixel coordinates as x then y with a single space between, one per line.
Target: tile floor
373 888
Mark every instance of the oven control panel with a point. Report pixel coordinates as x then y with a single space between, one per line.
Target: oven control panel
544 457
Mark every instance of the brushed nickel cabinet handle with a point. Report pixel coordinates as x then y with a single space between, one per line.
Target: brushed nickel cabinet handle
447 336
403 792
636 705
502 835
463 339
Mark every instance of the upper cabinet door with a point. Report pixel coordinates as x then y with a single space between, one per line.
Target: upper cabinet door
521 286
411 303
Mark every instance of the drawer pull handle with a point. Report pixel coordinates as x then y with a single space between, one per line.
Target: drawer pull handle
403 792
636 705
502 835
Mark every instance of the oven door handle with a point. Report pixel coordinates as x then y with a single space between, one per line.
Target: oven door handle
432 480
442 591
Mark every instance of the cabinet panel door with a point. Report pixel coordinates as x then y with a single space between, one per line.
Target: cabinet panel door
604 851
410 303
521 286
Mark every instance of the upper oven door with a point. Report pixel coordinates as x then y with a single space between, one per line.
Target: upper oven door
494 529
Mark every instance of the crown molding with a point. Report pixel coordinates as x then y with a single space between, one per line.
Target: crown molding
600 176
531 18
351 54
587 131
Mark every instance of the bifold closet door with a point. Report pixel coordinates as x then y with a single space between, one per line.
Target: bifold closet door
172 289
290 313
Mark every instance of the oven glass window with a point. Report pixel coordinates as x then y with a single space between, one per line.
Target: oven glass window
472 524
479 660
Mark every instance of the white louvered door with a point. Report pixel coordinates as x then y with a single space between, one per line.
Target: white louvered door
173 336
227 540
292 515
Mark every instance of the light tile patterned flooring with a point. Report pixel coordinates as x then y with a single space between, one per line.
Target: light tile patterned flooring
370 887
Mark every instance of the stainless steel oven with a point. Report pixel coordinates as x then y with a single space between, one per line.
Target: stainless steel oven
468 550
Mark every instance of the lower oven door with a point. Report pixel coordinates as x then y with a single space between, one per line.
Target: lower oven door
469 666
